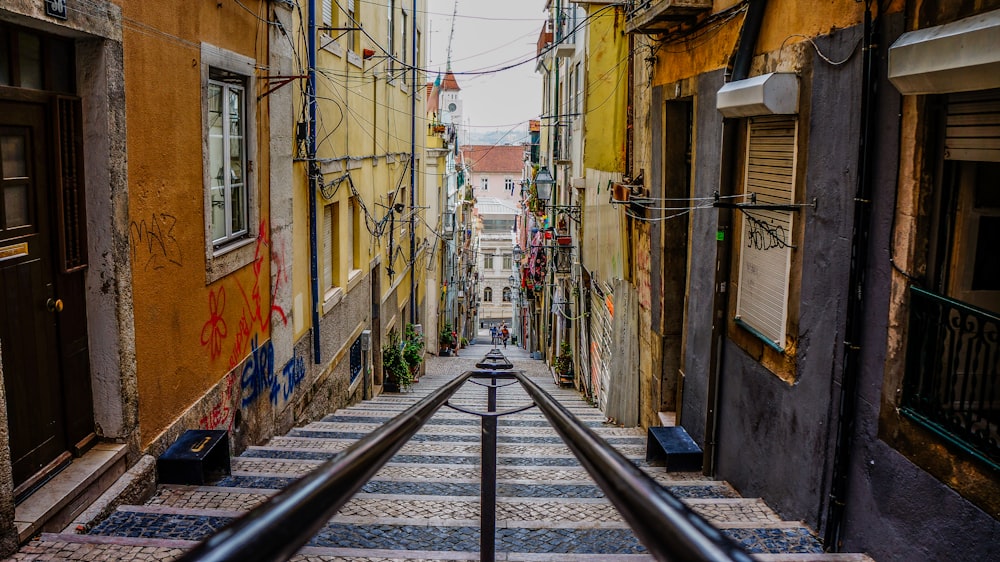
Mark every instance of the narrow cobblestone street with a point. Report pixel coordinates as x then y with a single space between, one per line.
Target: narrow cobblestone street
424 505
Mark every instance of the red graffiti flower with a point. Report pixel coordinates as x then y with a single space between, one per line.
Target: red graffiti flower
215 330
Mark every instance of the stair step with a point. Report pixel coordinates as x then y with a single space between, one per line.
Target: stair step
107 549
430 457
299 467
377 507
558 537
467 437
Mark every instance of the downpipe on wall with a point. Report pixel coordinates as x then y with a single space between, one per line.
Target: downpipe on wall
413 167
739 70
854 328
313 169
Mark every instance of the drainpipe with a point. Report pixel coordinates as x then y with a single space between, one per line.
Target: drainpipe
739 69
313 173
854 328
413 166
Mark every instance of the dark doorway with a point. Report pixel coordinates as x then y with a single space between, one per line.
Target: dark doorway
676 191
42 308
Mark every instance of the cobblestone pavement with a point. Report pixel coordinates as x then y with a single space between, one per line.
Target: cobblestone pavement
424 504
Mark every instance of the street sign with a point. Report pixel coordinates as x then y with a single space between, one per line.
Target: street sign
55 8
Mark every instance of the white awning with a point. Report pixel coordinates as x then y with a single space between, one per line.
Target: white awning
960 56
768 94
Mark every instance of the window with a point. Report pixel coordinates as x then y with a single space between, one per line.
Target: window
355 230
506 294
486 183
508 261
488 261
766 248
508 184
331 246
353 15
403 35
488 294
328 12
227 156
392 39
228 129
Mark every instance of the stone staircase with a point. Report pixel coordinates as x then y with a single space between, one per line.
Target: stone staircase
424 505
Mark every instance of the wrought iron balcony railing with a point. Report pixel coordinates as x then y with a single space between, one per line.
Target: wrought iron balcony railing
952 379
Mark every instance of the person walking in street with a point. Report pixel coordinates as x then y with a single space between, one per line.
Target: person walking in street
504 334
493 335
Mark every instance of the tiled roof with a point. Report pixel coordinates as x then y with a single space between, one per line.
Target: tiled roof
488 158
449 82
494 206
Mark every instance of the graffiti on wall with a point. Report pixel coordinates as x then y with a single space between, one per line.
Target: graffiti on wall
257 378
153 243
257 306
220 415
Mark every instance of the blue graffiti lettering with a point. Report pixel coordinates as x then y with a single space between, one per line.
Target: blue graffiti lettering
293 374
258 373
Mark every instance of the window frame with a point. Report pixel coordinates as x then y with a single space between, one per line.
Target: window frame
224 258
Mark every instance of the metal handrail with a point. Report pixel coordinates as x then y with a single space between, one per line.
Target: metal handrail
664 525
277 529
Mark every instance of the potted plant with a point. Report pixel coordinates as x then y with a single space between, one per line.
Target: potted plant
397 374
413 350
445 340
564 364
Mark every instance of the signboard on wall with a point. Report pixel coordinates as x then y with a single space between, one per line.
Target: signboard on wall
55 8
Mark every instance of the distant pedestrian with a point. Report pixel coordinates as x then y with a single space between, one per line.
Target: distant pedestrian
505 333
493 335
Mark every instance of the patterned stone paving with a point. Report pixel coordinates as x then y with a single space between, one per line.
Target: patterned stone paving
453 488
462 438
424 505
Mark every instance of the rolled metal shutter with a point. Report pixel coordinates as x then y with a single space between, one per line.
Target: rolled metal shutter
765 256
973 126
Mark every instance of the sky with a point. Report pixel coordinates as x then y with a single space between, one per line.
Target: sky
491 34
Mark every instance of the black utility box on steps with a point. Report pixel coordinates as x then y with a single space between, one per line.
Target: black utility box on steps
199 456
674 447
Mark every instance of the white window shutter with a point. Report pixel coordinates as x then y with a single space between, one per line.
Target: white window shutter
327 12
328 247
765 255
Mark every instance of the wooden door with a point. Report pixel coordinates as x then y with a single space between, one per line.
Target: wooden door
36 320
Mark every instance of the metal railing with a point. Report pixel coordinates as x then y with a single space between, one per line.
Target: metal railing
952 379
277 529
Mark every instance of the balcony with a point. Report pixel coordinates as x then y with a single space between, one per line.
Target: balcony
657 16
952 381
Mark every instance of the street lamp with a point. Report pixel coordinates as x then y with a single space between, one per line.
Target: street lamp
543 184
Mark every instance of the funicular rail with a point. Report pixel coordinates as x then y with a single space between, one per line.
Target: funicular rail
277 529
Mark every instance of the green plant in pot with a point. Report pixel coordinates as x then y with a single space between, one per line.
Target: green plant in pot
397 372
446 340
413 350
564 363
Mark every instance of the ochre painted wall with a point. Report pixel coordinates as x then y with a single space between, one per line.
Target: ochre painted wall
189 334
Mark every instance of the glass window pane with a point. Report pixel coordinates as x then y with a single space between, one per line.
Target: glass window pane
15 201
4 58
215 109
986 271
235 112
238 208
61 65
218 213
29 48
15 161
